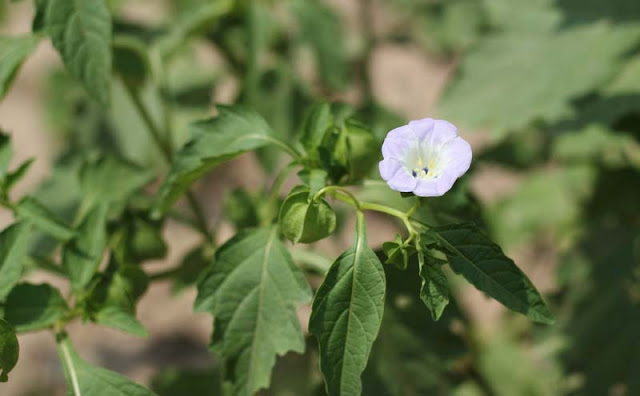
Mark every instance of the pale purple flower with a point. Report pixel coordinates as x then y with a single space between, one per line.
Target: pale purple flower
425 157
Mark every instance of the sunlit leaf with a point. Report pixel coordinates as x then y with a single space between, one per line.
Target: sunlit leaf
13 52
474 256
253 290
213 141
346 315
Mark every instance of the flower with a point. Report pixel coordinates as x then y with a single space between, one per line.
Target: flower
424 157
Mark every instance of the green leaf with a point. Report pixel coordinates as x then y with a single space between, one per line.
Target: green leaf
243 208
320 27
120 319
435 290
304 220
346 315
483 95
396 252
113 301
139 239
232 132
81 32
13 52
9 349
82 256
13 177
29 209
32 307
85 379
13 250
192 266
315 125
130 60
6 152
111 180
474 256
253 290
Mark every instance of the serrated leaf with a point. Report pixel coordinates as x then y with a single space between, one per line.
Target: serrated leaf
84 379
213 141
13 52
81 32
346 315
32 307
29 209
82 256
9 349
474 256
303 220
253 291
13 250
435 289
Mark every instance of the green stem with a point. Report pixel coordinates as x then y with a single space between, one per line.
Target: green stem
275 191
158 139
345 195
167 152
63 342
340 193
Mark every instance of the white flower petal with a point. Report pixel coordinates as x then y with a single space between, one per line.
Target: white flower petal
388 168
402 181
456 155
398 142
434 187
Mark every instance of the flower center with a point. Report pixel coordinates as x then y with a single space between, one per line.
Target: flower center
424 172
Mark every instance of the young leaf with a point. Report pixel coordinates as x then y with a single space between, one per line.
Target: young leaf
81 32
253 290
32 307
304 220
213 141
346 315
397 253
9 349
13 52
85 379
29 209
435 290
473 255
82 256
13 250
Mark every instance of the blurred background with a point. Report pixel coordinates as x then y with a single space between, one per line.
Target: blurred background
546 91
